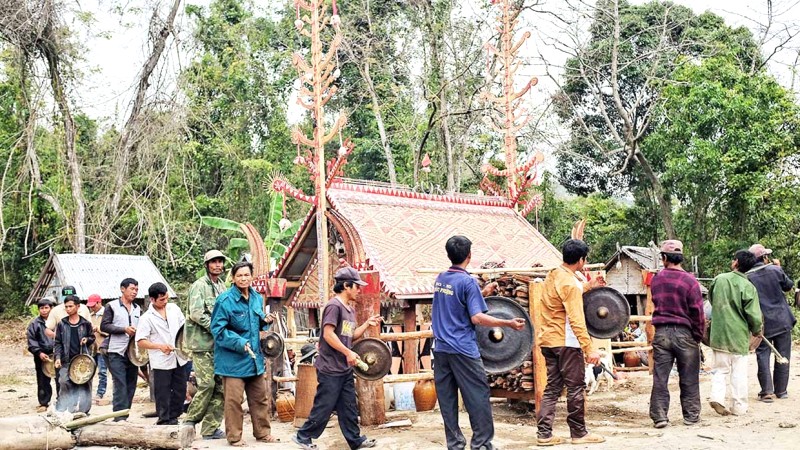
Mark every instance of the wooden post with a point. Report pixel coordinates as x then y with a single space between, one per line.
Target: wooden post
126 435
370 393
535 299
410 349
649 329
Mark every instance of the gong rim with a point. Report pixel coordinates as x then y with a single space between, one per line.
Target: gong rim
78 376
138 356
376 354
180 347
272 345
49 367
513 347
608 322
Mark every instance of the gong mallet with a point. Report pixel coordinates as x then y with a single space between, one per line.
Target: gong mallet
778 358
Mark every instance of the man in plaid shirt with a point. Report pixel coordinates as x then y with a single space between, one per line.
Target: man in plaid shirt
680 323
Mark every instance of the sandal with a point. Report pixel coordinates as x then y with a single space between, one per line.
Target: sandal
269 439
239 443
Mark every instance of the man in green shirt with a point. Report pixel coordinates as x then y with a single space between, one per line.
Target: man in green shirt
207 403
736 315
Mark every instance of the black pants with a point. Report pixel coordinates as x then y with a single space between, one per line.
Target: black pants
73 397
565 367
124 374
334 392
169 387
453 373
44 387
776 382
675 343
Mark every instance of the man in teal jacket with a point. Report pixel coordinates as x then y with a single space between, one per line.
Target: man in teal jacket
736 315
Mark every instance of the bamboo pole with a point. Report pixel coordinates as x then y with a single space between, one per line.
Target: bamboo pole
533 270
632 369
632 349
300 340
278 379
75 424
627 344
408 377
407 336
641 318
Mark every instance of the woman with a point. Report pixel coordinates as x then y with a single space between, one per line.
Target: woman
237 323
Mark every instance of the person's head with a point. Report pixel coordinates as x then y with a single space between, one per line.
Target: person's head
760 252
94 302
459 250
634 325
71 303
743 260
68 290
158 295
574 252
671 252
129 288
45 306
242 274
347 283
214 260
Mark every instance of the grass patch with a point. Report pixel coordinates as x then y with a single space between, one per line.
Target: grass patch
10 380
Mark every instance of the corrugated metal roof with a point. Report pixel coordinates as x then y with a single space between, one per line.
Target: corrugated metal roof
97 274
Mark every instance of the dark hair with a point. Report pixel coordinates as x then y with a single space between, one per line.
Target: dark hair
458 249
673 258
157 290
573 250
240 265
745 260
339 286
73 299
127 282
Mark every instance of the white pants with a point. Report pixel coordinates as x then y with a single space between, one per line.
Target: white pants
730 371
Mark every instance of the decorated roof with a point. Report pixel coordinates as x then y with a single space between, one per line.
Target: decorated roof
398 231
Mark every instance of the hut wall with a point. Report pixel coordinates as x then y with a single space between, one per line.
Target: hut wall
627 278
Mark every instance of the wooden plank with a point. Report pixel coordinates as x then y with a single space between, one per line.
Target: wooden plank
406 336
524 395
632 369
649 329
641 318
632 349
533 270
411 348
535 299
628 344
407 377
370 393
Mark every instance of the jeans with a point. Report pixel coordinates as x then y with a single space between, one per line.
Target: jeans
565 367
334 392
675 343
44 387
124 374
102 377
169 387
776 382
453 373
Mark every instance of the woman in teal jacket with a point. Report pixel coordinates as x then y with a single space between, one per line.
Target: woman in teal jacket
237 322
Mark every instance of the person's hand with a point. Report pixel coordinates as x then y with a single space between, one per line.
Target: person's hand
248 349
593 358
375 320
490 289
516 323
84 341
269 318
96 329
166 349
777 262
44 357
130 331
57 364
597 281
352 357
262 334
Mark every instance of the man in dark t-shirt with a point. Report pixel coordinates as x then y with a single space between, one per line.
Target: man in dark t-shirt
334 363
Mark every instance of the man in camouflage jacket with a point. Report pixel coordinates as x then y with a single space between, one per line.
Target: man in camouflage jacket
207 403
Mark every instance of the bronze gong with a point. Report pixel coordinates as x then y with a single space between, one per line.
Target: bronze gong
607 312
503 349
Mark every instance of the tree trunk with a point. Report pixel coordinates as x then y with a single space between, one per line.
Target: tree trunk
126 434
376 109
665 208
32 433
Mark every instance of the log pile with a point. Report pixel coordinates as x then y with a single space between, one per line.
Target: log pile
511 286
518 380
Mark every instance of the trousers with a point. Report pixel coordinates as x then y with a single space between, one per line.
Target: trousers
671 344
207 403
169 387
44 386
256 390
73 397
334 392
777 380
730 372
565 367
124 374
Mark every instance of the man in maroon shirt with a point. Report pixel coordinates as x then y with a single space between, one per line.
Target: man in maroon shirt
680 324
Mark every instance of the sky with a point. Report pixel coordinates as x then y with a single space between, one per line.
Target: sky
115 45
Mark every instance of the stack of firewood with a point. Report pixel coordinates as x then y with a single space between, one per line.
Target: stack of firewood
511 286
518 380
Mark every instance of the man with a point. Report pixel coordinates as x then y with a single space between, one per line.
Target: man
771 282
120 319
334 363
156 333
680 324
57 313
737 315
207 403
40 345
95 304
73 336
458 307
566 345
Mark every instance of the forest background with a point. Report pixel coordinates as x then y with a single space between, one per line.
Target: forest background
661 123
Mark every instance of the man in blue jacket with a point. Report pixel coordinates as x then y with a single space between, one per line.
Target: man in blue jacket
771 283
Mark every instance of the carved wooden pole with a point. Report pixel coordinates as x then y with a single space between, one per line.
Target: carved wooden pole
370 393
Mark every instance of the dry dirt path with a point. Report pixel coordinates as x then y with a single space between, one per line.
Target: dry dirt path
621 415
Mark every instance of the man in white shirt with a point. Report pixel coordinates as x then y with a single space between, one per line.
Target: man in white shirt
156 332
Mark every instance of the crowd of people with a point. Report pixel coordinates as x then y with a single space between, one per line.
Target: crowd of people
223 328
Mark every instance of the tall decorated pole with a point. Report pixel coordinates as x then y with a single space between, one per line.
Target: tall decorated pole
316 89
507 114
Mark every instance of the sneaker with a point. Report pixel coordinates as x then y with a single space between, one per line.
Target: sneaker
548 442
766 398
690 423
368 443
661 424
217 434
590 438
784 396
303 445
720 409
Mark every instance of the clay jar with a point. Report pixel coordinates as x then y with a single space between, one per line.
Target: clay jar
631 359
425 395
284 405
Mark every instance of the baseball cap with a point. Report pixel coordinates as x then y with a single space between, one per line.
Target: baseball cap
348 274
45 301
672 246
759 250
68 290
93 300
212 255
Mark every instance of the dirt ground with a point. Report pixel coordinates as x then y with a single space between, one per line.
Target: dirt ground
620 415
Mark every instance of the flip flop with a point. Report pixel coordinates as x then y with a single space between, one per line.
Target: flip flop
239 443
269 439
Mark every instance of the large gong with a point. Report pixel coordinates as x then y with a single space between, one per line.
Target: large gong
503 349
607 312
376 359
